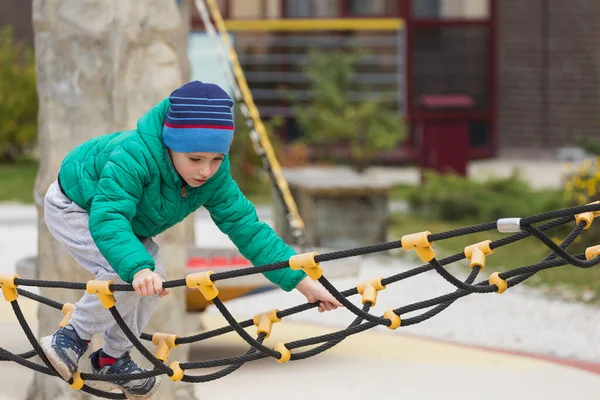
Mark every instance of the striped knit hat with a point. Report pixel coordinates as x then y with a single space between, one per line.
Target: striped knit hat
199 119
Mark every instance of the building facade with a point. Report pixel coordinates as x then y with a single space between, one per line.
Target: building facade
532 67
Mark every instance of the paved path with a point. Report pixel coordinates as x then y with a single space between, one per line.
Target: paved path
374 364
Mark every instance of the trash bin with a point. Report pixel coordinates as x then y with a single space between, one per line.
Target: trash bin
443 133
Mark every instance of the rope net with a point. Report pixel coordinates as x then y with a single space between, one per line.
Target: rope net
421 243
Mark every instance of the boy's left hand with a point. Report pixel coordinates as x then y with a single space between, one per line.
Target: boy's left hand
314 292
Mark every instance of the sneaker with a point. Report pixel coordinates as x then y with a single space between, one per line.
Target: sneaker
64 349
139 389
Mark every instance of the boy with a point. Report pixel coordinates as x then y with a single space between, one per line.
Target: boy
115 192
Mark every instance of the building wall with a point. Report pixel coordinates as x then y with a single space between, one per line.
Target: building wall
549 72
17 13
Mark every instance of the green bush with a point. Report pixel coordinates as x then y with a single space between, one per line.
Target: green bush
454 198
330 119
18 98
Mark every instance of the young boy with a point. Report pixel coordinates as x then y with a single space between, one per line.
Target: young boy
115 192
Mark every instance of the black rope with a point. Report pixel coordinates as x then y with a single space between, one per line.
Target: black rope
560 213
355 310
30 336
558 250
557 257
138 345
225 371
40 299
240 331
328 345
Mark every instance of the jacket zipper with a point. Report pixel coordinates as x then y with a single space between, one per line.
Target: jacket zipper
183 191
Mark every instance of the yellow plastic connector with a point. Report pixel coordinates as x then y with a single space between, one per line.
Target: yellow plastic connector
477 252
286 354
588 217
264 322
420 243
102 289
496 280
202 282
77 381
369 290
307 263
9 289
67 311
592 252
395 318
165 343
177 371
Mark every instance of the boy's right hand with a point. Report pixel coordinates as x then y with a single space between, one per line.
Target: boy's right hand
148 283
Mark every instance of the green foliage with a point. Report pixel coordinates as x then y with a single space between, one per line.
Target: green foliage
454 198
331 119
582 186
17 181
18 98
590 145
246 166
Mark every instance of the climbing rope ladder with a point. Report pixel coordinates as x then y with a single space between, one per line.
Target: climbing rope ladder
420 242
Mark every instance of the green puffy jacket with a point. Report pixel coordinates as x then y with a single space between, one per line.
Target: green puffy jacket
129 187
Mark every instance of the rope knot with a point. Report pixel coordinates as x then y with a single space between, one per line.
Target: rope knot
165 343
264 322
477 252
9 288
419 242
369 289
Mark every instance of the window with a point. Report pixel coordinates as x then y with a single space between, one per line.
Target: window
378 8
458 9
451 60
312 8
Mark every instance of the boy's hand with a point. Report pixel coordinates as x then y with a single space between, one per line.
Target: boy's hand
148 283
314 292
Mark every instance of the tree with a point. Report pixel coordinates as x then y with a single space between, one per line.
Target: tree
332 120
100 65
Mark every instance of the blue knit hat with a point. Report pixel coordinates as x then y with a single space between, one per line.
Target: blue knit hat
199 119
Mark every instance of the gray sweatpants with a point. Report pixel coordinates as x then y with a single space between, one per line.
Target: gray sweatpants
68 223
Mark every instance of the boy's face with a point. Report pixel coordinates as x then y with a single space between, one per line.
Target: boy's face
196 168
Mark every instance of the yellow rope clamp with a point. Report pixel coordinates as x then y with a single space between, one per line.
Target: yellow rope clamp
286 354
102 289
307 263
420 243
165 343
264 322
67 311
9 289
202 281
395 318
77 381
477 252
592 252
369 290
496 280
588 217
177 372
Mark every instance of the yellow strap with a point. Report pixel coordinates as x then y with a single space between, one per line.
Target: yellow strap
254 114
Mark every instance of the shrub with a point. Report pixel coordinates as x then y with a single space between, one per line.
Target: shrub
18 98
331 120
454 198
